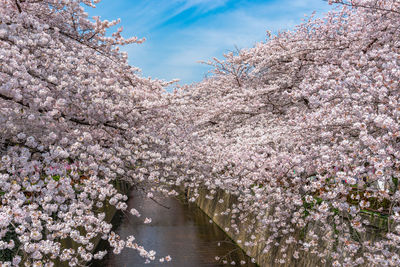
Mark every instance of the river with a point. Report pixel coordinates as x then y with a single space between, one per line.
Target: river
182 231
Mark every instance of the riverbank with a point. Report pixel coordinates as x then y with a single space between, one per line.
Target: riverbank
213 209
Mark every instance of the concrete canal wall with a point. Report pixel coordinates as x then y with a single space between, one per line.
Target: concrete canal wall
306 259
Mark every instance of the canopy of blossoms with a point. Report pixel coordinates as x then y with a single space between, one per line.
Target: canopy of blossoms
303 128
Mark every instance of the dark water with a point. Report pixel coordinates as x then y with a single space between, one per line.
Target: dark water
182 231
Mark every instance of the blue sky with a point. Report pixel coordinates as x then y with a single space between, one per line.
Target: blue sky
180 33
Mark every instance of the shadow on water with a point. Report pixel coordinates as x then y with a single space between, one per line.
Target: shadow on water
183 231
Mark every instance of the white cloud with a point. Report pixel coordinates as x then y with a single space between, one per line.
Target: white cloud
204 5
172 51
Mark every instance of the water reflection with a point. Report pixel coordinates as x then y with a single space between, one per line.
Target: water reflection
182 231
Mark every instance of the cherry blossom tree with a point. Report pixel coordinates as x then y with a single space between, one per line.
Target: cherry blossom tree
307 137
73 120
